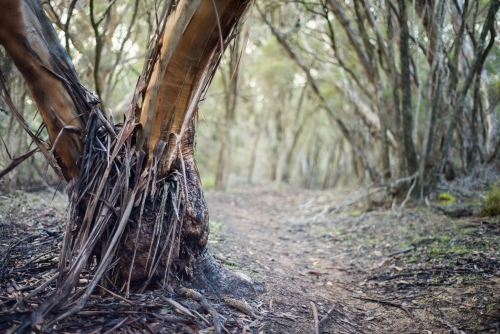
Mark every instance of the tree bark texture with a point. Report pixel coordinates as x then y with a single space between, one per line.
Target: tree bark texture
139 203
63 102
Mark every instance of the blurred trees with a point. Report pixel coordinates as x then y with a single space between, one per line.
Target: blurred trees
408 90
326 93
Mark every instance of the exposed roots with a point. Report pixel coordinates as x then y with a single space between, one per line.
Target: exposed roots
211 277
130 227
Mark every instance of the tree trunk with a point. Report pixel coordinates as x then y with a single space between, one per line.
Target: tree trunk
33 45
139 203
282 169
406 116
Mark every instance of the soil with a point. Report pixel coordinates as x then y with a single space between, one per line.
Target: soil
381 273
362 271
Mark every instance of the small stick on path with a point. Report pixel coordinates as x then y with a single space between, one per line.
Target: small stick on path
401 251
116 296
315 315
177 306
325 318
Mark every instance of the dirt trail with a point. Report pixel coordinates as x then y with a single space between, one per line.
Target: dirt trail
371 271
288 240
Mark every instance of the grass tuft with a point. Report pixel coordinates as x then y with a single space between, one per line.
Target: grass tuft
446 199
491 205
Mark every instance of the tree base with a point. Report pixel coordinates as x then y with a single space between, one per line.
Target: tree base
211 278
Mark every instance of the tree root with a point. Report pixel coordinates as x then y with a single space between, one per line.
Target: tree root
212 278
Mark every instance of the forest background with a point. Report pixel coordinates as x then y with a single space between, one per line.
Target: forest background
318 94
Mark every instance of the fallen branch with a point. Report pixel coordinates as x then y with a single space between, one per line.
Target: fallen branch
315 316
206 305
383 302
178 306
241 306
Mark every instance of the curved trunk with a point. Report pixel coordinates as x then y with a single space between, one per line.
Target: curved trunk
140 203
64 103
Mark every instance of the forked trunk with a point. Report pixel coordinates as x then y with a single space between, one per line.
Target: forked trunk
135 194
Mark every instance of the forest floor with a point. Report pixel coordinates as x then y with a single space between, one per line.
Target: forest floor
361 271
372 272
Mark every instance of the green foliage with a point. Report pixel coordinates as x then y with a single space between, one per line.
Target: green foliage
217 230
207 180
494 88
446 199
267 120
491 205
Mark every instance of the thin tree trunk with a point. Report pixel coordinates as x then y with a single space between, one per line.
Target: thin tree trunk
395 96
338 11
406 116
480 55
329 163
435 92
374 175
290 141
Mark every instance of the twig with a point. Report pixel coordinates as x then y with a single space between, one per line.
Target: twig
178 306
170 318
41 287
127 321
117 296
206 305
406 250
202 317
241 306
325 318
401 208
315 315
387 303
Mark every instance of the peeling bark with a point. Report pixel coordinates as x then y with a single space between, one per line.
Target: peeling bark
64 104
140 203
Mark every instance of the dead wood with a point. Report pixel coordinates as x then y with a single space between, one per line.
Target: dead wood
315 316
206 305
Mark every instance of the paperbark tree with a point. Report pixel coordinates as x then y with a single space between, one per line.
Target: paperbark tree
134 190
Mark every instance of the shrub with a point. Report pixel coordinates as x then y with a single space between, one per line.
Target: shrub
491 205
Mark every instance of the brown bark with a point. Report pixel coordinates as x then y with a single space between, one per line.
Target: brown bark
425 9
113 189
406 116
191 39
36 51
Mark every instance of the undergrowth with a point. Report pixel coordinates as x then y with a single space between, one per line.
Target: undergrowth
491 205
